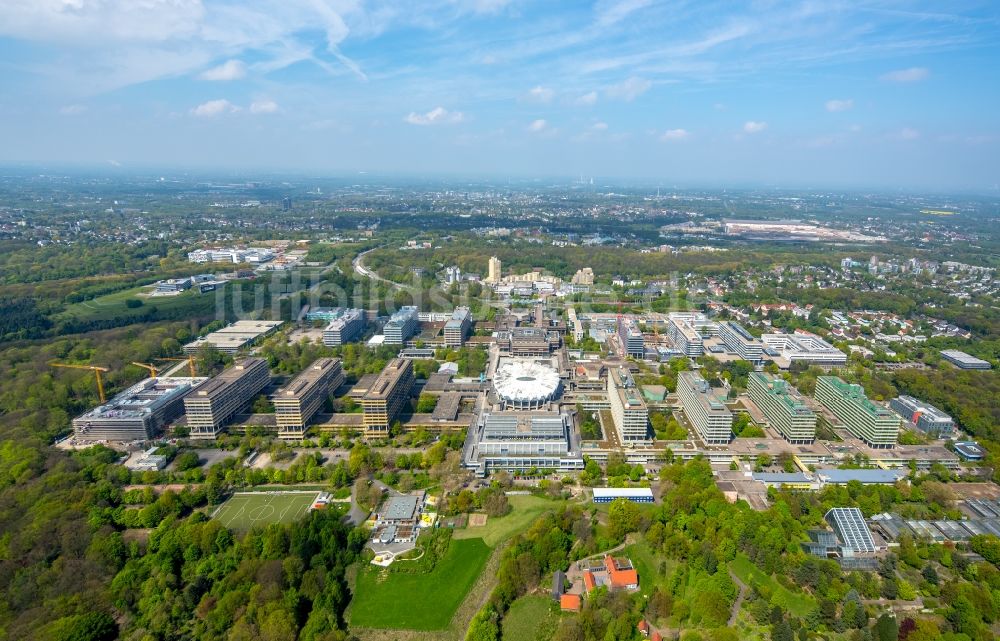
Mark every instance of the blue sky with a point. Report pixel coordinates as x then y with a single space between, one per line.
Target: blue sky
773 92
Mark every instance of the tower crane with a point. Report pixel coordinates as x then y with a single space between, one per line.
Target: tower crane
152 368
189 359
93 368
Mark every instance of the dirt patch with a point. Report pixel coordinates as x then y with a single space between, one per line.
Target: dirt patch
477 520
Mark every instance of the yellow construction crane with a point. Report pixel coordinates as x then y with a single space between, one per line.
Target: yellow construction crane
152 368
93 368
189 359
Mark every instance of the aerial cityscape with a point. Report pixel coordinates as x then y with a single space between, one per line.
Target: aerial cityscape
491 320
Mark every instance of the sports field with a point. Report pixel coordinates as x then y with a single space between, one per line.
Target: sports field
244 510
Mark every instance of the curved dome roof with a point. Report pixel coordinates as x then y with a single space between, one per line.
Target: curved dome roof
525 380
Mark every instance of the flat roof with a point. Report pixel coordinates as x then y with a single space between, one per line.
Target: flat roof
962 357
623 492
311 375
214 386
866 476
401 508
388 379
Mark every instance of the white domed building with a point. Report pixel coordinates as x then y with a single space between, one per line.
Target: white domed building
525 384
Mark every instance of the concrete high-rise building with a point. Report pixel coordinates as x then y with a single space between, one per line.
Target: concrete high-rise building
783 407
708 414
286 203
685 330
210 405
628 409
495 273
387 396
739 340
877 426
346 327
401 325
300 400
457 327
631 338
583 276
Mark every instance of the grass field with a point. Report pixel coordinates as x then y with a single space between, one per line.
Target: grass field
113 305
244 510
647 565
400 601
526 508
797 603
531 618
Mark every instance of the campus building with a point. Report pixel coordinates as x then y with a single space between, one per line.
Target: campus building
924 416
346 326
707 413
401 325
515 441
387 396
803 347
631 337
527 341
739 340
138 413
300 400
231 339
685 330
877 426
495 271
961 360
457 327
210 405
628 409
783 407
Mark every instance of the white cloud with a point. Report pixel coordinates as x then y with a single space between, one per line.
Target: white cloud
228 70
72 110
907 133
537 126
674 134
214 108
839 105
630 89
619 10
913 74
753 127
263 107
436 116
599 126
540 94
587 99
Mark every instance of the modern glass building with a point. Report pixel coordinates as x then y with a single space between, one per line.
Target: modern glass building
877 426
783 407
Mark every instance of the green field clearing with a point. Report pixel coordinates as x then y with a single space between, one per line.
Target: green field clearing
244 510
400 601
113 305
525 509
797 603
647 565
531 618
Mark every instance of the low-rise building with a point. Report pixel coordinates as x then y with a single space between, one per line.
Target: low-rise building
961 360
231 339
516 441
140 412
634 494
804 347
923 416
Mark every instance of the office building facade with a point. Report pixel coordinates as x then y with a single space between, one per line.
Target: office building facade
877 426
346 327
685 330
924 416
299 401
708 414
783 407
628 408
401 326
457 327
739 340
210 405
387 396
631 338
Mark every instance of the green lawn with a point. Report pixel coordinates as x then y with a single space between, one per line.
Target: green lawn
647 565
113 305
525 509
531 618
246 509
399 601
798 603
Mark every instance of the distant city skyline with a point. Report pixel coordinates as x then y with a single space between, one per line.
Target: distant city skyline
787 94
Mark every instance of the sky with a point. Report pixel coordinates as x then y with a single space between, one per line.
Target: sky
857 93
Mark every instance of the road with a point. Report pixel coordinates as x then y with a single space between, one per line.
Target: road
359 267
